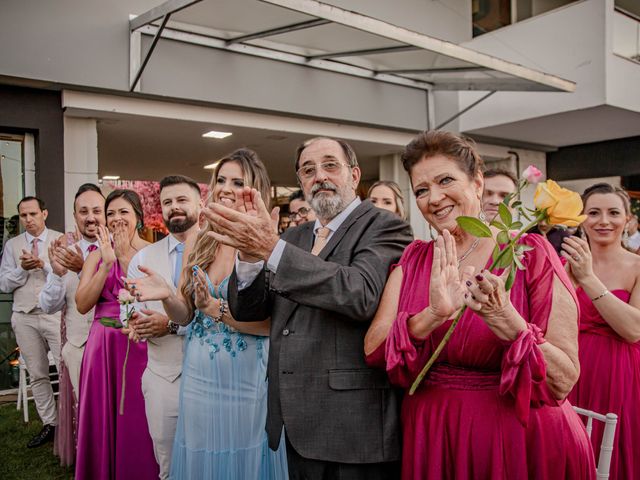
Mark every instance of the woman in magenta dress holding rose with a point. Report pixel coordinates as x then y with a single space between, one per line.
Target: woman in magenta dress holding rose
607 278
110 445
492 406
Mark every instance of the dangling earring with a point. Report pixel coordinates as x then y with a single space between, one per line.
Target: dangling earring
482 216
625 237
139 226
581 233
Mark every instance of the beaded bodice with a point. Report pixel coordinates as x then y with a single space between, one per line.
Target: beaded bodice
217 335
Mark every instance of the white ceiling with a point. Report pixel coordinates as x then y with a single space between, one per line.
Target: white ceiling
147 148
568 128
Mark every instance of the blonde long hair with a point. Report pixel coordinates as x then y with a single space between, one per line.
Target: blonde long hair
205 249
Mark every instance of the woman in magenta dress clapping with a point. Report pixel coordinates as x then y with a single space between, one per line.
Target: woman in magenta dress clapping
607 277
492 406
110 445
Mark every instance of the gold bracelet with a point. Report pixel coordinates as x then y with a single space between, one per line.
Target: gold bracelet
600 296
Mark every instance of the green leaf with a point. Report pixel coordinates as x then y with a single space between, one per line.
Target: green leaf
516 225
506 259
518 262
521 248
516 204
510 279
505 214
500 225
495 253
503 238
474 226
508 198
110 322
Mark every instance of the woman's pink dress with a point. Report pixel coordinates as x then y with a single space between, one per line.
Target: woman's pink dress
484 411
110 445
610 383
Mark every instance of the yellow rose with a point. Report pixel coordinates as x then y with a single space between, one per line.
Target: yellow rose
563 206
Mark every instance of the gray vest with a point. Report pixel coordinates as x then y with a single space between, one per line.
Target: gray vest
25 298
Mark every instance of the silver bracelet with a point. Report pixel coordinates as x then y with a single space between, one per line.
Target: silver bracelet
222 311
600 296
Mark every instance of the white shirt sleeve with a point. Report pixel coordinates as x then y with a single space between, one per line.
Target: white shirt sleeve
247 272
12 275
53 295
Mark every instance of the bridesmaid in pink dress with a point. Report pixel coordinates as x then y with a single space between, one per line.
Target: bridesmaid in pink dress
492 407
608 283
110 445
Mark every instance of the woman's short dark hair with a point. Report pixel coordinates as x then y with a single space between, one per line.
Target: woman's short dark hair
430 143
130 197
604 188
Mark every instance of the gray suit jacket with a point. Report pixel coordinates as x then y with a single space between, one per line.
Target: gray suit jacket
334 407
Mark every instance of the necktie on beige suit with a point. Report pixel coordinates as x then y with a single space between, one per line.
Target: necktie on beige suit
322 236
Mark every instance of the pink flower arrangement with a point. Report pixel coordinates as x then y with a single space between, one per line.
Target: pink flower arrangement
149 192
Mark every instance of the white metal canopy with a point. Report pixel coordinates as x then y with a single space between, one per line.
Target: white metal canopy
317 35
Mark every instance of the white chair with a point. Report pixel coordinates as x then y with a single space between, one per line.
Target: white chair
24 385
610 421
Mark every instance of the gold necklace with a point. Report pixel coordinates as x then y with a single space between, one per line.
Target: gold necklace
469 250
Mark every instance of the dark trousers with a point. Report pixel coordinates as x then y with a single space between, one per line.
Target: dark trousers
301 468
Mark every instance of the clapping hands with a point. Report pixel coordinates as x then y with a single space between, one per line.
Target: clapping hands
204 301
150 287
248 226
65 255
447 286
104 244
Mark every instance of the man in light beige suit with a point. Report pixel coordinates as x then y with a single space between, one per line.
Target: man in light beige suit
181 205
22 272
62 281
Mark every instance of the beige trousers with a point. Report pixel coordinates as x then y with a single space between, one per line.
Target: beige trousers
36 334
161 405
72 357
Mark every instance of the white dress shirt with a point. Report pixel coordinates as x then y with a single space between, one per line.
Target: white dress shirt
12 275
52 295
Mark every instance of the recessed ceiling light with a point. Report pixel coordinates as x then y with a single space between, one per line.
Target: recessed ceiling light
111 177
212 166
214 134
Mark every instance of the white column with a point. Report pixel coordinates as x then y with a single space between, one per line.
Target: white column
80 160
390 168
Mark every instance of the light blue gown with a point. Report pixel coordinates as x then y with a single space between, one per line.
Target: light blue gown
223 405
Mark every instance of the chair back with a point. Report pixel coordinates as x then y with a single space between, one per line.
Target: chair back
610 421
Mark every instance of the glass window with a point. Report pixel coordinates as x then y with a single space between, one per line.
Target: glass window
11 191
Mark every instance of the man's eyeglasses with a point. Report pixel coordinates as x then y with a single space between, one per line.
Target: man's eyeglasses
302 213
307 172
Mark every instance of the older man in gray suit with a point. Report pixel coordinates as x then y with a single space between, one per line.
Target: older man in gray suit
321 284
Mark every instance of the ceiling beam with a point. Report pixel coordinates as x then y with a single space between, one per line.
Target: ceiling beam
279 30
368 51
156 13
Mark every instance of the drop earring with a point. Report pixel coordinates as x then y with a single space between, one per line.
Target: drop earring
482 216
